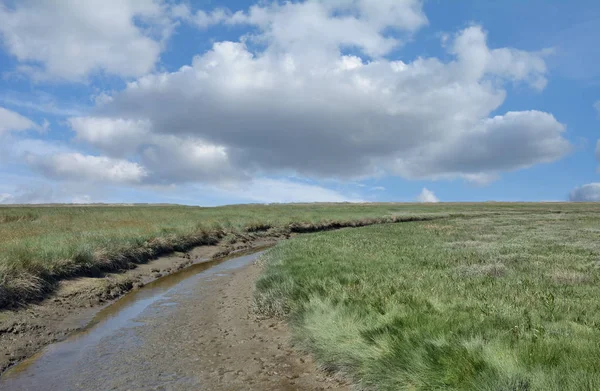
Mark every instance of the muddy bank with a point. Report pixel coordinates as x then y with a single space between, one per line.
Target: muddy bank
193 330
24 331
25 282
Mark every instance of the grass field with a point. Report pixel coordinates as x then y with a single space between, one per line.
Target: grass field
497 301
42 245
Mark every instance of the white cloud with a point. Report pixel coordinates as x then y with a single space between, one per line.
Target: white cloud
315 25
321 114
11 121
586 193
71 39
267 190
311 25
427 196
175 160
117 137
283 101
6 198
203 19
597 107
502 143
476 60
170 159
82 199
76 166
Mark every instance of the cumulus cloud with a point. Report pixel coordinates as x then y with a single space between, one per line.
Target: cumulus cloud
71 39
76 166
177 160
427 196
311 26
586 193
323 114
502 143
333 24
117 137
477 59
203 19
11 121
268 190
286 99
170 159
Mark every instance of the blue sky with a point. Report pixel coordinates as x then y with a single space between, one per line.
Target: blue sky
206 102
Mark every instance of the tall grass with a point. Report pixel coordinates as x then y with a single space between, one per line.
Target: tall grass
483 302
39 246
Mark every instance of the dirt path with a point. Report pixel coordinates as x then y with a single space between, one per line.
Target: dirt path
201 335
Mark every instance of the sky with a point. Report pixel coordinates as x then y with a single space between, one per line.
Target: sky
218 102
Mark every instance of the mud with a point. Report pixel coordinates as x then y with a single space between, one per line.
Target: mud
24 331
195 330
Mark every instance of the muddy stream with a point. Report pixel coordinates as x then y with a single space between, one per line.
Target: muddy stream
107 354
192 330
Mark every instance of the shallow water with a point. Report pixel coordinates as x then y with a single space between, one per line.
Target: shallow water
101 350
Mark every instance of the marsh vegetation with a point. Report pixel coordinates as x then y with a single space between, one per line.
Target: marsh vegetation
417 297
504 301
40 246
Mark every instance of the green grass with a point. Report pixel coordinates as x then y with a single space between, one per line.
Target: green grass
497 301
39 246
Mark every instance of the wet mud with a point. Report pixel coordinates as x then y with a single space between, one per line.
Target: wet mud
193 330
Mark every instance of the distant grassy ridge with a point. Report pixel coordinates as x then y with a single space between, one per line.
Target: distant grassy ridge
480 301
39 246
